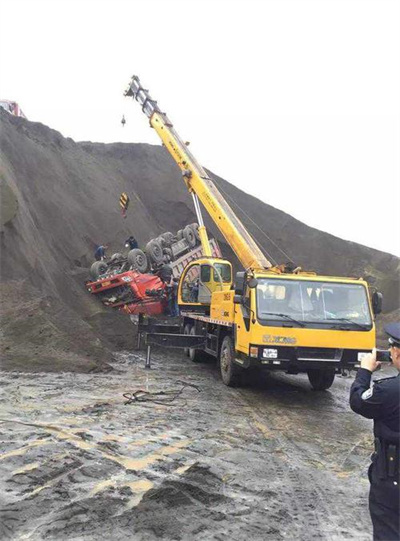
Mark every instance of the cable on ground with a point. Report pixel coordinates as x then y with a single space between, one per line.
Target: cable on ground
165 398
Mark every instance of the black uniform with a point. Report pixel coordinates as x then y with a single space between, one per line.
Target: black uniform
381 402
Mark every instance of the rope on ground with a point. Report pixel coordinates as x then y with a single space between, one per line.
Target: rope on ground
165 398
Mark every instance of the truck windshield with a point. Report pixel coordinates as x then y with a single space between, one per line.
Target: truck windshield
319 304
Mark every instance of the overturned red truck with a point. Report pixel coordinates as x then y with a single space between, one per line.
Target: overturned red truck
136 282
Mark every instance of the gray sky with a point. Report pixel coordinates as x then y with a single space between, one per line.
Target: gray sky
293 101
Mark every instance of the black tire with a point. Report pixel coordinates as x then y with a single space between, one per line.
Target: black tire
186 330
189 236
168 239
321 379
154 251
97 269
168 254
165 273
195 228
195 355
138 260
179 234
230 372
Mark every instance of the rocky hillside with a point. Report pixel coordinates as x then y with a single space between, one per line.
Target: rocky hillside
60 199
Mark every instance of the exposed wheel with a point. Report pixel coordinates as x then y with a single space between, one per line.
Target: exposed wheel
179 234
97 269
186 330
189 235
195 355
195 228
321 379
116 257
138 260
230 372
154 251
165 273
168 238
168 254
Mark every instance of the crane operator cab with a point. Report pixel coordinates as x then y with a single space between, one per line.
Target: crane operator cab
200 280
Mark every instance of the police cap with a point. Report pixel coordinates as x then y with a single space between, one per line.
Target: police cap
393 330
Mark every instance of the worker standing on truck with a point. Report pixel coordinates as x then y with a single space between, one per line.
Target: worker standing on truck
100 253
381 402
131 243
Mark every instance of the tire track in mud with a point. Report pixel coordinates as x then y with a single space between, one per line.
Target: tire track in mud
318 510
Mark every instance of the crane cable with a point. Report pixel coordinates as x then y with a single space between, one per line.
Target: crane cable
256 226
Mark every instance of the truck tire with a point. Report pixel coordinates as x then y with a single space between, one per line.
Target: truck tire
138 260
195 355
195 228
168 239
230 372
116 257
188 234
321 379
179 234
168 254
165 273
97 269
186 330
154 251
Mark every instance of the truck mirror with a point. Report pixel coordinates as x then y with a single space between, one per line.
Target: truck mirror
237 299
377 299
240 282
253 283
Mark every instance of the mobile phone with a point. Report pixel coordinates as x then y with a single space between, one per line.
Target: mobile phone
383 356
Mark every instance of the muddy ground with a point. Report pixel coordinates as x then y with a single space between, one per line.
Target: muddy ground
271 460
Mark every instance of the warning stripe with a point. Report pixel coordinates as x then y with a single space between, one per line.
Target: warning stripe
124 201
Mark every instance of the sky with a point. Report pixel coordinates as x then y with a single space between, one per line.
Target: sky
293 101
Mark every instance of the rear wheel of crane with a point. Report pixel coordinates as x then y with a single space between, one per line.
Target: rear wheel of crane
230 372
138 260
154 251
321 379
186 330
195 355
97 269
188 234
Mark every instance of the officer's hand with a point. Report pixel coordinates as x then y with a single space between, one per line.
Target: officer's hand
369 361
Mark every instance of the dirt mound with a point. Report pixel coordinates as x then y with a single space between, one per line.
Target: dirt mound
65 201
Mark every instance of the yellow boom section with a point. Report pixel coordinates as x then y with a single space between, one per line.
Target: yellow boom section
199 183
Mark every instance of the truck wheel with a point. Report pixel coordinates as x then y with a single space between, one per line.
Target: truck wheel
138 260
154 251
194 354
195 228
116 257
97 269
168 254
321 379
230 372
189 235
186 330
168 238
179 234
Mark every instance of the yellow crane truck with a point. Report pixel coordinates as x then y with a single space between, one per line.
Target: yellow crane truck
271 317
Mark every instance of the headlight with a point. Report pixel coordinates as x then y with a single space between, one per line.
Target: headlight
269 353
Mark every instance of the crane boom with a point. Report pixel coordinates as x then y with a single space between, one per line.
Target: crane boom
200 184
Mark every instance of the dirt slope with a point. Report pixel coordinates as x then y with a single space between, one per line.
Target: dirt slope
65 201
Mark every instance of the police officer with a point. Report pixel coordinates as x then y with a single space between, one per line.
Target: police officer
381 402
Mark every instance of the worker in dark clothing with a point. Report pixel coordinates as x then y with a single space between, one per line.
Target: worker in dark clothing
172 295
100 253
381 402
131 243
